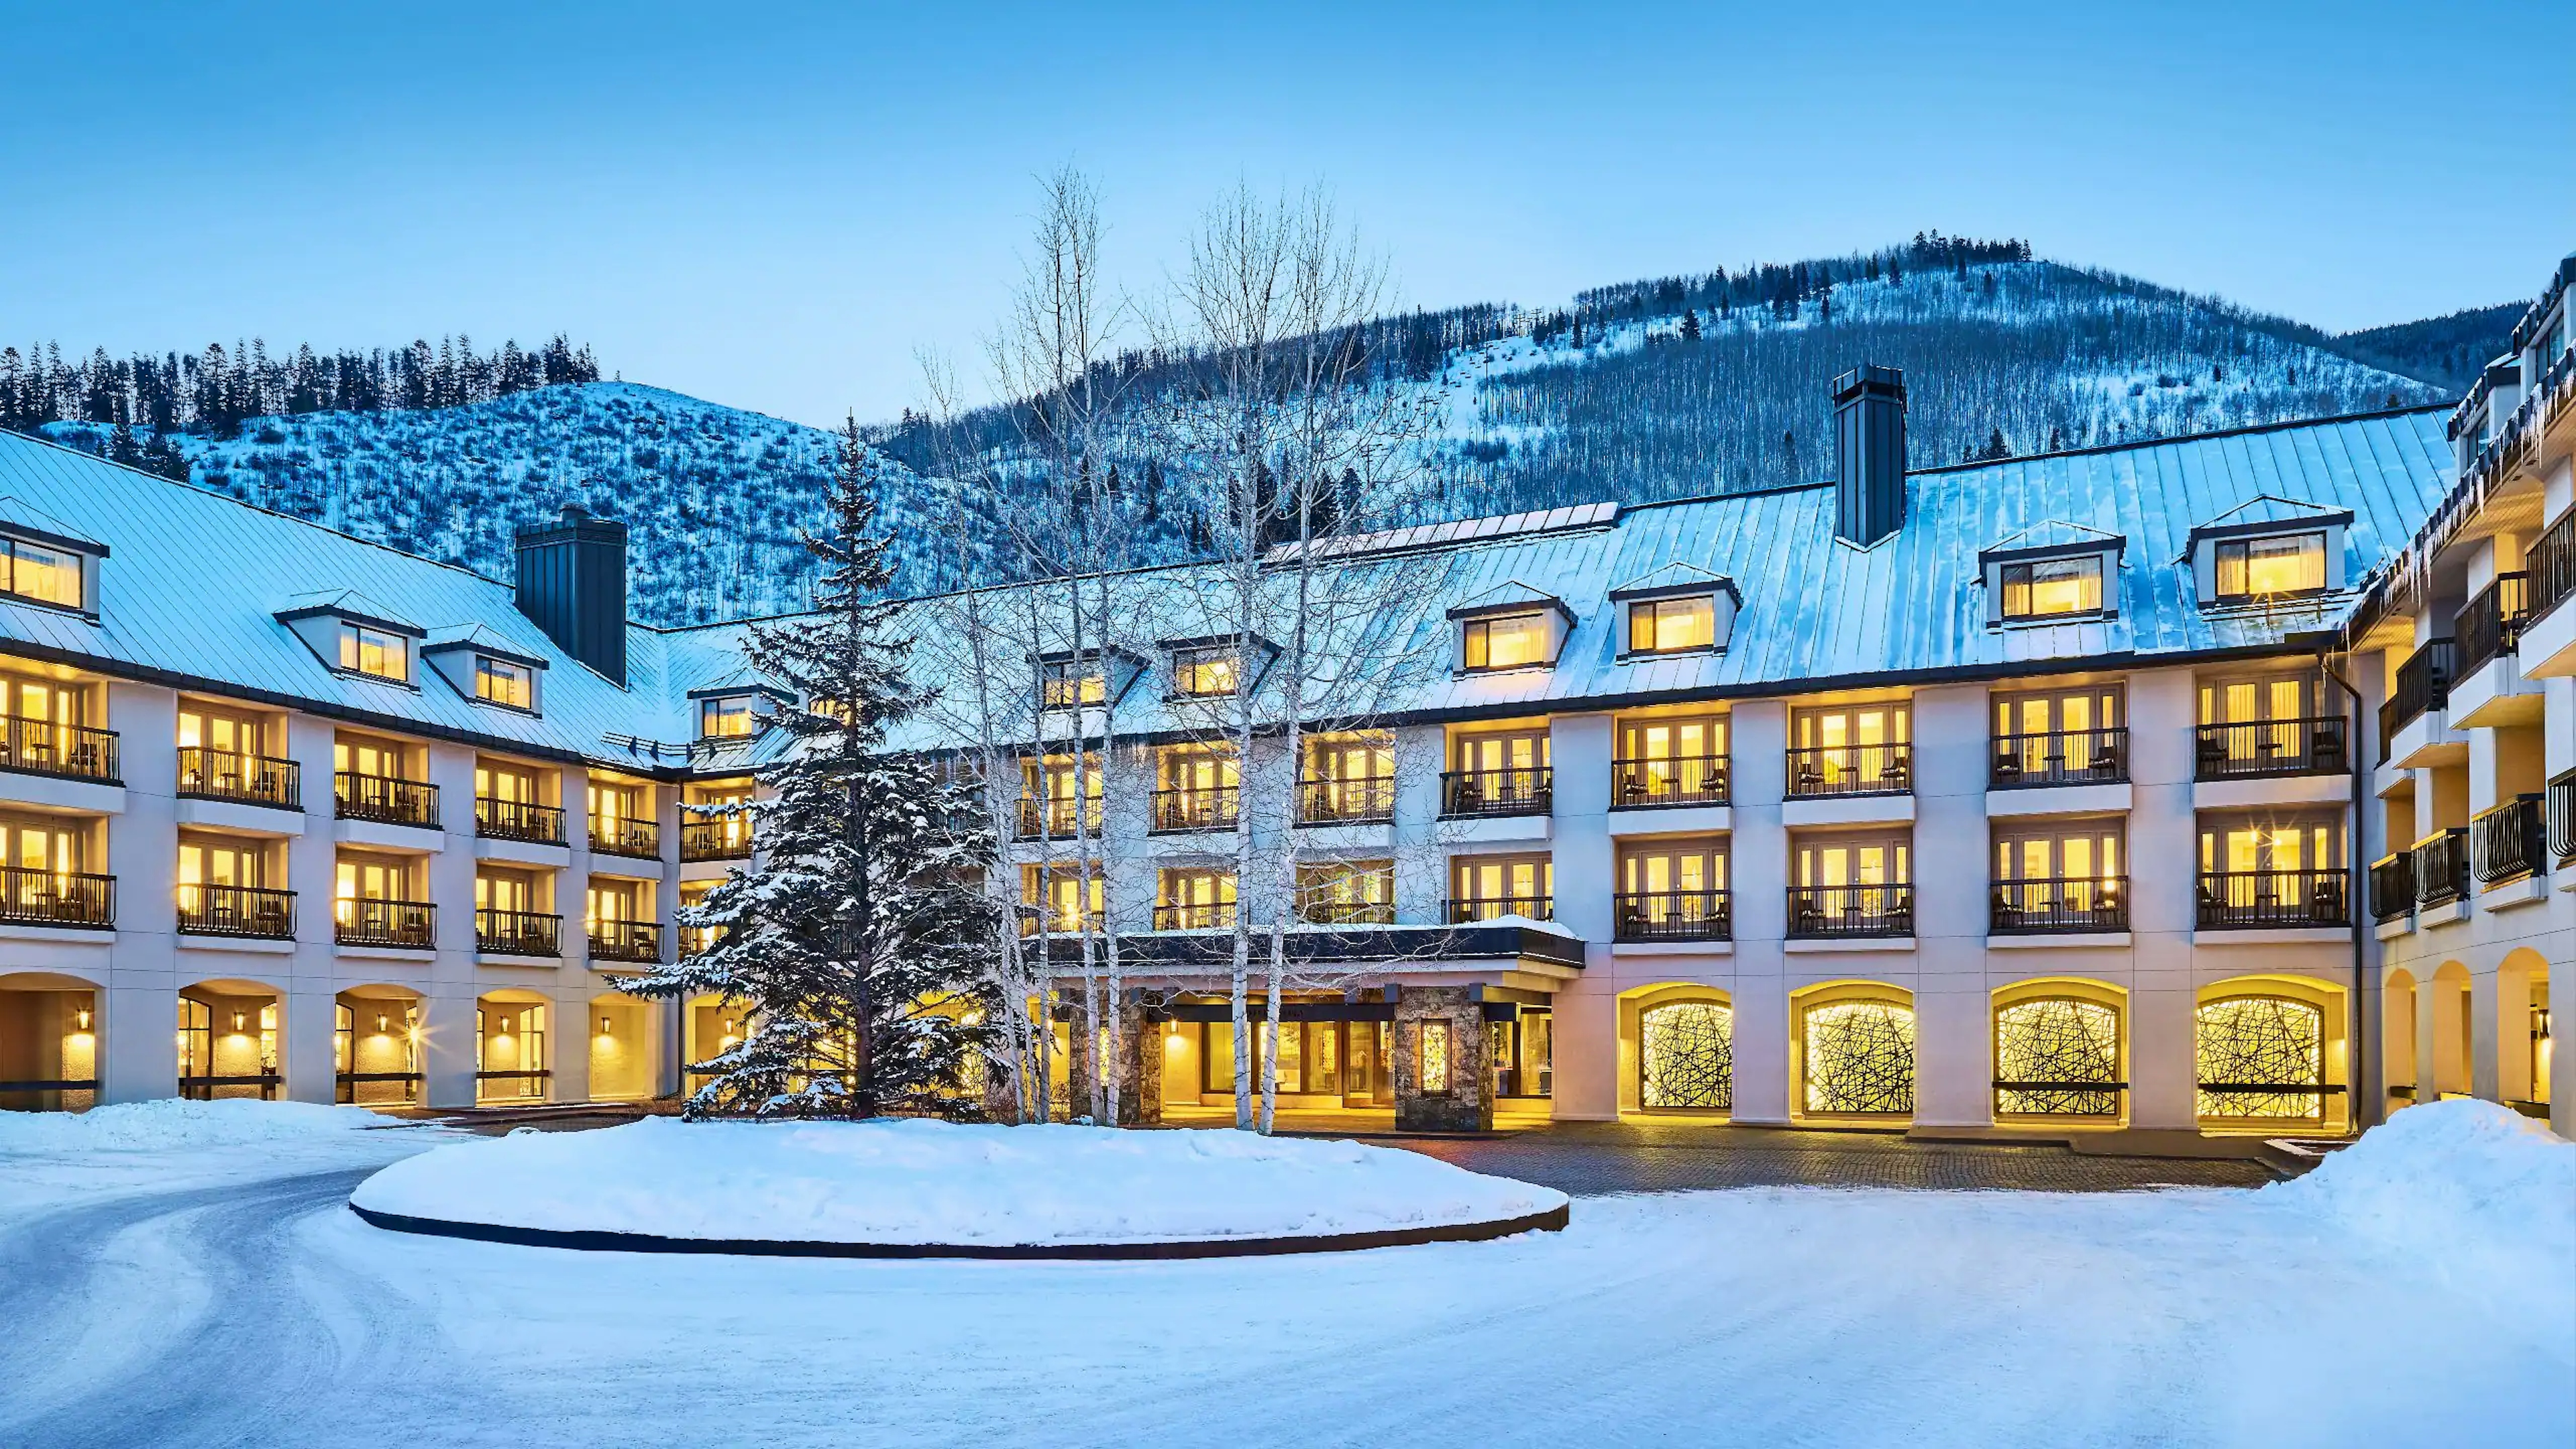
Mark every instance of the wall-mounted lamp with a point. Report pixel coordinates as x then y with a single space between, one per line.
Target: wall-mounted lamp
604 1028
80 1018
238 1020
380 1023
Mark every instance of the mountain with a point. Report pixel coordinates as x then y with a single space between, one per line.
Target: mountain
1660 388
2449 351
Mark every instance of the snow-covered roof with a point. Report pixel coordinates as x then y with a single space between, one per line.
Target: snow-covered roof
2048 536
191 598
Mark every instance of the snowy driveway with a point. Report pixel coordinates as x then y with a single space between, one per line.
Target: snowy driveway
201 1296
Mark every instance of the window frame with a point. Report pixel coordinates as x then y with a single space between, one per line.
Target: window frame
1317 882
711 705
2020 576
491 666
1189 661
1079 683
350 642
1475 641
72 560
1651 611
2243 550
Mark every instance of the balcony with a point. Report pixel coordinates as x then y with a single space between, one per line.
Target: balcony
367 921
2392 887
72 752
1527 791
1494 908
724 838
624 835
1835 912
2548 644
2507 843
1346 913
1369 800
385 799
2423 686
2311 746
521 820
1053 818
243 779
636 942
2442 867
2562 815
242 911
2091 904
1057 923
1701 915
517 933
1644 784
31 897
2061 757
1212 807
2253 900
1824 770
1198 916
2492 623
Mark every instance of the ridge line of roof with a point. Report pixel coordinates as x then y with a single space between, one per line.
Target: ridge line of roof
2273 427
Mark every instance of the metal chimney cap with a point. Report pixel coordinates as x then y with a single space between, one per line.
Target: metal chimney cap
1869 377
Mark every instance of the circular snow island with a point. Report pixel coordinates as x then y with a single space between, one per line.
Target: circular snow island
923 1189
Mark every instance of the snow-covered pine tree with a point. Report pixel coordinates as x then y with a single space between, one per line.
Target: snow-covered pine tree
857 940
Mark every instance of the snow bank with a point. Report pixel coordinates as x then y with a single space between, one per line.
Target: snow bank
913 1182
173 1122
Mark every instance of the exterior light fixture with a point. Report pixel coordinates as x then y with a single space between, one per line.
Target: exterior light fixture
604 1029
80 1018
238 1019
380 1023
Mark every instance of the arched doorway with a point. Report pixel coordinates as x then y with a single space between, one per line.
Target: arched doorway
375 1046
230 1034
1853 1051
2523 1046
49 1030
2455 1051
2270 1055
2397 1028
511 1041
621 1047
1685 1050
2061 1051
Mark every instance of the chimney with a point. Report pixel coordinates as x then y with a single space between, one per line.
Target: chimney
1869 453
572 581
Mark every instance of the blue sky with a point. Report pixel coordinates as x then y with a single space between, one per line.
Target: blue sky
774 207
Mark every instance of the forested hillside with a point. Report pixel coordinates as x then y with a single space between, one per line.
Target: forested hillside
2448 351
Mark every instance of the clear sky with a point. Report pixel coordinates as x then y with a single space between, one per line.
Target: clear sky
775 206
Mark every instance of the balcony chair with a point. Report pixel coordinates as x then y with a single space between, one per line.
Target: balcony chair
2008 911
2007 765
1895 772
1809 777
2326 750
2325 903
2211 755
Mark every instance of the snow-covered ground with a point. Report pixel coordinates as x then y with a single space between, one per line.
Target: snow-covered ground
2341 1310
937 1182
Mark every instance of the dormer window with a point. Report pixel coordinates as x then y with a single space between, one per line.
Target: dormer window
376 653
1506 641
1672 626
2290 563
2053 587
41 574
498 681
1206 671
726 717
1072 683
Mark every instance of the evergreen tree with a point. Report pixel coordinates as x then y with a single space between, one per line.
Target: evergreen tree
856 941
1690 326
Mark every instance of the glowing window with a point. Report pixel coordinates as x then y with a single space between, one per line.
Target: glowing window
1434 1056
502 682
1859 1057
2293 563
1513 641
1686 1056
1664 626
1065 683
725 718
45 575
2044 588
2057 1057
1200 673
2261 1057
374 652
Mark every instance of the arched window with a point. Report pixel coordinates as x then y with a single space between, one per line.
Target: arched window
2057 1056
1686 1056
2261 1056
1859 1057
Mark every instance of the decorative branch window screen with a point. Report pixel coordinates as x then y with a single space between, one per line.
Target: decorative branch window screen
1686 1056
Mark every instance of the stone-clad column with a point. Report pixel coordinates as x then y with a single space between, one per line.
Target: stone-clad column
1466 1104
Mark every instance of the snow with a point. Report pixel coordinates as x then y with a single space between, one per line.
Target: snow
173 1122
914 1181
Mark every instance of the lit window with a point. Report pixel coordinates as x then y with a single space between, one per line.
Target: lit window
374 652
1064 683
1511 641
1664 626
45 575
1199 672
725 718
2051 586
502 682
2293 563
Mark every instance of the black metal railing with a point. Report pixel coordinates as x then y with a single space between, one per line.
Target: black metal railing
1346 913
1851 910
1051 818
2423 683
2508 841
345 1084
1203 807
45 747
389 799
523 820
1058 923
1488 908
2491 623
727 837
634 941
625 835
2061 757
2552 564
229 910
1691 780
1194 916
1701 915
1851 770
206 774
2253 899
366 921
2036 907
2442 867
1369 800
1527 791
2309 746
32 897
517 933
2562 814
2392 886
201 1088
